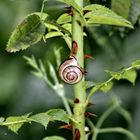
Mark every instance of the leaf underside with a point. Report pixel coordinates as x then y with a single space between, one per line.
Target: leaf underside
14 123
27 33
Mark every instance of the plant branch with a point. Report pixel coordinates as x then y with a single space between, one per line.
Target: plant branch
105 115
100 85
119 130
42 9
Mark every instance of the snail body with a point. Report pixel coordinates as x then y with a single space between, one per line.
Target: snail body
70 71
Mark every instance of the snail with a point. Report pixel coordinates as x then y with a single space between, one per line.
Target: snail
70 71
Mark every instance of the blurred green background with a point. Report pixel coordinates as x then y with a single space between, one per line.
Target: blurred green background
111 47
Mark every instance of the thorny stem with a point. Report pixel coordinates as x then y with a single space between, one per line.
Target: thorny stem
79 92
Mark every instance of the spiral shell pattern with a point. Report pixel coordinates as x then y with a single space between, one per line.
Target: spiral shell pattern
70 72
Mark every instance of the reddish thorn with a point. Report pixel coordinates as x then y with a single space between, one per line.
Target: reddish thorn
69 10
90 104
76 134
76 100
74 48
68 126
88 114
70 13
88 56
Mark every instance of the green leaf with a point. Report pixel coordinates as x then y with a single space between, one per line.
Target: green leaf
135 11
99 14
53 34
64 18
54 138
57 27
51 115
27 33
51 26
121 7
130 75
15 123
73 4
106 87
67 26
115 75
70 3
136 64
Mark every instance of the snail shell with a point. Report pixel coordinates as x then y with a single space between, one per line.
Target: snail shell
70 71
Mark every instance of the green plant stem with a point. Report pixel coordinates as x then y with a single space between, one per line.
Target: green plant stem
79 91
42 8
65 102
105 115
119 130
61 94
96 128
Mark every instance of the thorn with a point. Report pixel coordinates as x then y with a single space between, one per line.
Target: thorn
88 114
83 71
76 134
87 56
90 104
68 126
69 10
74 48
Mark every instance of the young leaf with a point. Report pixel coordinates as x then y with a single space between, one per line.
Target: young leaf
67 26
53 34
27 33
136 64
15 123
115 75
99 14
64 18
51 115
121 7
106 87
54 138
51 26
130 75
